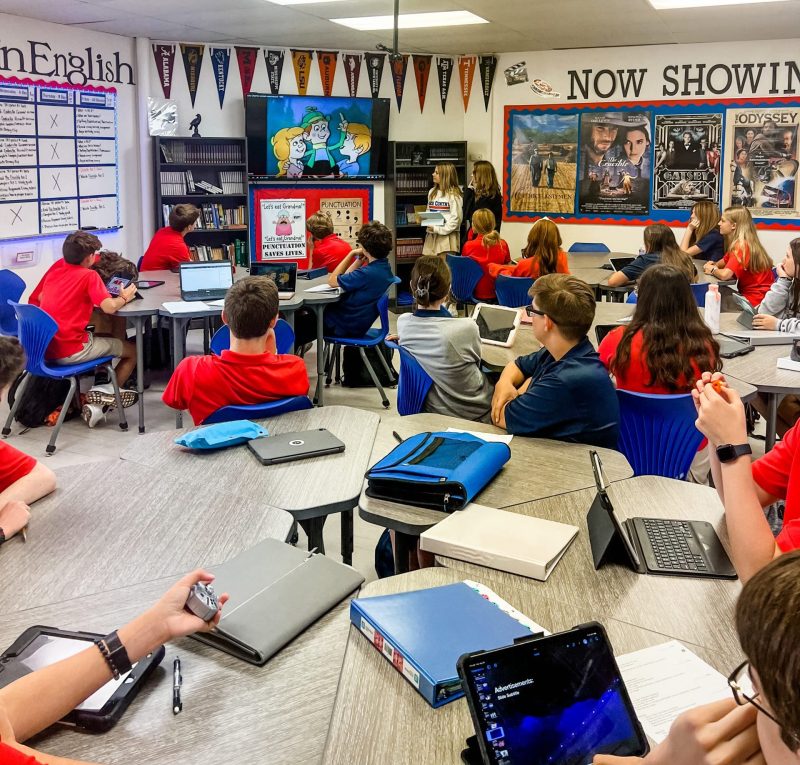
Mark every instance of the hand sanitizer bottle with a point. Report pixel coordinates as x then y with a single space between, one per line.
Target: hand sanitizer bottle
712 309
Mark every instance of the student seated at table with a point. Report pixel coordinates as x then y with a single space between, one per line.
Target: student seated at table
659 247
23 480
41 698
542 254
486 248
168 248
562 391
448 349
760 725
745 259
702 238
329 249
251 371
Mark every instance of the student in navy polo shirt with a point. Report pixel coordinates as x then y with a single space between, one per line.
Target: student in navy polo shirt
562 391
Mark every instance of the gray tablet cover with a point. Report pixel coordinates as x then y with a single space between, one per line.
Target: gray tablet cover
276 591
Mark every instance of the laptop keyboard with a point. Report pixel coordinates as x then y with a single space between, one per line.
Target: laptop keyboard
674 545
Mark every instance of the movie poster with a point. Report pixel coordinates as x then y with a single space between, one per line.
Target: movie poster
347 216
543 162
762 160
688 160
615 163
283 229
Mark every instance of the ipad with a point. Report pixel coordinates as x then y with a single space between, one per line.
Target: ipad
288 447
497 324
619 263
117 283
729 347
555 699
148 284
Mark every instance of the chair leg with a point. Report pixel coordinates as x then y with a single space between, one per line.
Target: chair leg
206 335
123 423
374 377
390 373
17 399
330 355
338 352
73 387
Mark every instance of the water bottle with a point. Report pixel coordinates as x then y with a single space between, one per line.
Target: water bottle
712 309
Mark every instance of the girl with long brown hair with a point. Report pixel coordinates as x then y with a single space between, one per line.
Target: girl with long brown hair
486 248
483 192
444 198
542 254
659 247
702 238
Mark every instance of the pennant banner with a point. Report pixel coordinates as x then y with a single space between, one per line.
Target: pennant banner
247 58
466 71
301 60
399 67
274 59
487 66
422 70
444 67
326 60
192 61
220 59
352 70
165 61
375 70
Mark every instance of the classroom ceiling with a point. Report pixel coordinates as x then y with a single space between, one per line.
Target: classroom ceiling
514 25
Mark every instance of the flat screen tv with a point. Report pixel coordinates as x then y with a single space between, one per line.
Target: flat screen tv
313 137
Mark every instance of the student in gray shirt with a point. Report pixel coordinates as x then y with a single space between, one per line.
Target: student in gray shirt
448 349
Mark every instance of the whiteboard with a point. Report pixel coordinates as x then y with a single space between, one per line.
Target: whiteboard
58 158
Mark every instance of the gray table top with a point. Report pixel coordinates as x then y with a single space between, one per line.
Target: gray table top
538 468
112 523
589 262
379 717
306 488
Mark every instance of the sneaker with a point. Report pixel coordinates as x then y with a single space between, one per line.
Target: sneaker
93 414
104 394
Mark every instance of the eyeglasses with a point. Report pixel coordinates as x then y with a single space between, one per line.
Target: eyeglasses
530 310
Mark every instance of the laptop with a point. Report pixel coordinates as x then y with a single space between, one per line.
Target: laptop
619 263
205 281
655 545
283 274
288 447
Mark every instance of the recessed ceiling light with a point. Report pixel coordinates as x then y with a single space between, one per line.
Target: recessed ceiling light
412 20
301 2
666 5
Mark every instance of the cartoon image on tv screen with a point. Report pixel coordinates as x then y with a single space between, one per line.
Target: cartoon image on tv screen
307 142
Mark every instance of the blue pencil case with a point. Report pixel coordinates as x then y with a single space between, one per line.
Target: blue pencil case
221 435
441 471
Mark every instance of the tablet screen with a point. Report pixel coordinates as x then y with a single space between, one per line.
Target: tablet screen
495 323
116 283
560 700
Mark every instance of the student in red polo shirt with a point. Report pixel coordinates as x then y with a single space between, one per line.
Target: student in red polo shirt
746 488
168 247
250 372
23 480
329 249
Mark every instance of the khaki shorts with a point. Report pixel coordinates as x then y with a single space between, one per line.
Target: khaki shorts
94 348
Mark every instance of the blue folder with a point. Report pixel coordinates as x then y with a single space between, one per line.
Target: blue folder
423 633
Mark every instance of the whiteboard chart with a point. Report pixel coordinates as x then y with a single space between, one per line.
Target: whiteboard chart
58 159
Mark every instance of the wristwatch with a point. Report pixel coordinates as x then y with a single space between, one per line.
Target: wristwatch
730 452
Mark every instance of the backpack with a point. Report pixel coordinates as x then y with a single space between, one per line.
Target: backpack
355 374
41 396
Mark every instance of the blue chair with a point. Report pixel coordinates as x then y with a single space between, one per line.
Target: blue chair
284 338
258 411
466 273
11 289
36 330
374 337
657 433
414 382
512 291
588 247
699 291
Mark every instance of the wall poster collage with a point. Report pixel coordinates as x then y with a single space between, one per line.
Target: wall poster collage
639 162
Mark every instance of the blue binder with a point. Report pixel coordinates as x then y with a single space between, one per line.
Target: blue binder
423 633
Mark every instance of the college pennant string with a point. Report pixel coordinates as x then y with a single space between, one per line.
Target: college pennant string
399 68
327 69
192 61
352 70
487 66
466 71
165 61
220 60
444 68
301 61
422 70
274 60
375 71
247 58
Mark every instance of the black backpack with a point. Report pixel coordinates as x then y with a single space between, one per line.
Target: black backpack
40 397
355 374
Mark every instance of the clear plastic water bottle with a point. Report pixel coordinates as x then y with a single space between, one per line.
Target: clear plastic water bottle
712 309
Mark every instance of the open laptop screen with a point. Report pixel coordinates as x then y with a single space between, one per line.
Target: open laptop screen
199 277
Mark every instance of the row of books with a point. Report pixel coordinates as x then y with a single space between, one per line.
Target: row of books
236 252
215 216
201 153
412 182
232 181
408 248
178 182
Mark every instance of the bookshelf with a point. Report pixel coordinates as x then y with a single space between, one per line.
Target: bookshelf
411 165
210 173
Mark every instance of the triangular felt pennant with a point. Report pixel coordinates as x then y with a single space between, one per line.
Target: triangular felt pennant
301 60
466 71
487 66
422 70
352 70
327 69
375 70
192 61
274 60
165 61
399 67
220 59
444 68
247 58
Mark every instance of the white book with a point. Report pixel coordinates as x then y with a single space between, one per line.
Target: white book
185 306
786 362
501 540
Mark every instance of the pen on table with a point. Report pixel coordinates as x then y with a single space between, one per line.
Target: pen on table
397 437
177 680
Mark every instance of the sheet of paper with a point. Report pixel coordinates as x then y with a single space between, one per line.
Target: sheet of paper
624 320
665 680
494 438
216 303
185 306
323 288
